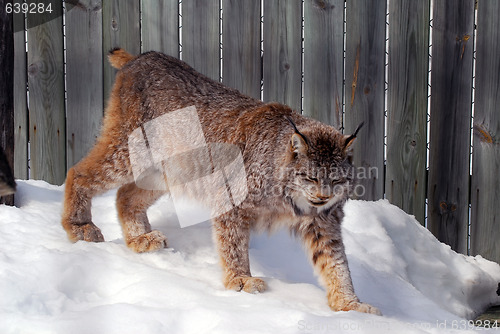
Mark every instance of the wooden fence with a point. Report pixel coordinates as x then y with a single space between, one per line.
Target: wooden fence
341 62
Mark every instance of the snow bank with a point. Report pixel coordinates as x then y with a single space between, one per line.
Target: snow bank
49 285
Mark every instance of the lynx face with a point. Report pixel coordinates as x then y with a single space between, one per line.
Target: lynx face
321 171
321 187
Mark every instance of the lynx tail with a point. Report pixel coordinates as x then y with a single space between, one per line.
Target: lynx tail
119 57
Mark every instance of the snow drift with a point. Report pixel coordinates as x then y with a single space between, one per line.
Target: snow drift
49 285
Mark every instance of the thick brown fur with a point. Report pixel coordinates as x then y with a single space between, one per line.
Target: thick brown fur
119 57
298 172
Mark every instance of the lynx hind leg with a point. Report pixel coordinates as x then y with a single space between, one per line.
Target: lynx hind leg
132 203
101 170
77 219
104 168
232 236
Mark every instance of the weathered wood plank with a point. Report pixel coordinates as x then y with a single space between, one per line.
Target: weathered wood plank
242 66
121 28
200 36
282 59
485 215
46 104
21 126
364 92
84 77
160 26
323 60
451 98
407 105
6 96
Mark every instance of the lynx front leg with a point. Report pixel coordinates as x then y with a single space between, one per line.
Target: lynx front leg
132 203
328 257
232 236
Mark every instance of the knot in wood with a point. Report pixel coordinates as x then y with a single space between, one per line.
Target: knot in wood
33 69
323 5
446 207
483 134
114 24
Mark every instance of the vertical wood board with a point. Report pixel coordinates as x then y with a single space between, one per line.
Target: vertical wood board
282 60
160 26
451 98
364 92
21 127
242 66
200 36
84 77
46 97
407 105
323 60
485 214
121 28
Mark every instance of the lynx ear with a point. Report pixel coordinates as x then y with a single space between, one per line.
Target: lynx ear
299 144
348 140
298 141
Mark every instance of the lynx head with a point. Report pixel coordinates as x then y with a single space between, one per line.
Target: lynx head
320 171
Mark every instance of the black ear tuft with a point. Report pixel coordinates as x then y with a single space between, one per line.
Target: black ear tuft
350 139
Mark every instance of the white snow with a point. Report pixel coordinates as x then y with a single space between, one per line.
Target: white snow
49 285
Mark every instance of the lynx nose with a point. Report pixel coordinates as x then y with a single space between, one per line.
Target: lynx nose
322 197
323 193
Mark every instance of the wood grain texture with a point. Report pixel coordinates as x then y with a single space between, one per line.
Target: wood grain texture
46 98
485 214
364 91
451 95
200 36
160 26
21 126
323 60
282 60
407 105
121 28
242 66
84 77
6 95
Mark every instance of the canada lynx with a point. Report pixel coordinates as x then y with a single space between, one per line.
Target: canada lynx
298 171
7 183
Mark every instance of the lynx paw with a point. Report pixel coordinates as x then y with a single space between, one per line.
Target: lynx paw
364 308
87 232
247 284
148 242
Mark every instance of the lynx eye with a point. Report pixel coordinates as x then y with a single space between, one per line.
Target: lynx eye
311 179
337 181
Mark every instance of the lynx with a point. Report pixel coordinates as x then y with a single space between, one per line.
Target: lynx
7 183
298 172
